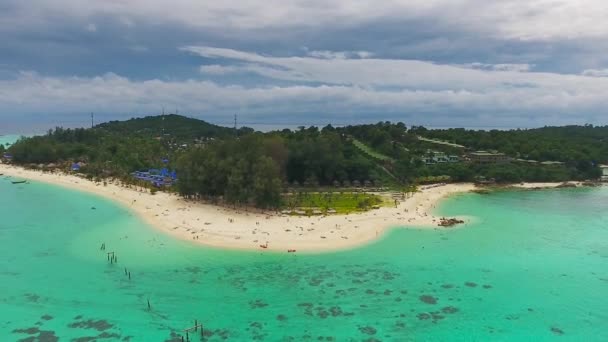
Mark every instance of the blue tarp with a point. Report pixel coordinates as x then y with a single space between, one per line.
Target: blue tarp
156 177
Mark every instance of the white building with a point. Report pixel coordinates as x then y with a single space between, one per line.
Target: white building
604 173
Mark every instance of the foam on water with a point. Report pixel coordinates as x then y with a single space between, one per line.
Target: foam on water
533 267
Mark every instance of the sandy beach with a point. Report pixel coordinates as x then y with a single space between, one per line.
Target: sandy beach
238 229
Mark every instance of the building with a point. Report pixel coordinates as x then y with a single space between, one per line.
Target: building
604 173
434 157
484 157
552 163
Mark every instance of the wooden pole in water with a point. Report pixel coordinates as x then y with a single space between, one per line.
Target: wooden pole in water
195 325
187 337
125 271
149 304
129 275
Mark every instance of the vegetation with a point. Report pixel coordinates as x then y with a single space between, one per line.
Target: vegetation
566 144
370 152
243 167
340 202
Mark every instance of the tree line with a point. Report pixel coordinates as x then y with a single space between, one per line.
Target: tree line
253 168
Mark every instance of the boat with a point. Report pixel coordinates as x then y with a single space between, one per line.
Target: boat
291 251
264 246
19 182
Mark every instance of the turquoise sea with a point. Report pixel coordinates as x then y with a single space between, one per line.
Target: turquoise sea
534 267
8 139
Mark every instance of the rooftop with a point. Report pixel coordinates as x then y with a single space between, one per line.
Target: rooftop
486 153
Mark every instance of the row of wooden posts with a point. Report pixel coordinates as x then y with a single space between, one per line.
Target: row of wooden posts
193 328
113 259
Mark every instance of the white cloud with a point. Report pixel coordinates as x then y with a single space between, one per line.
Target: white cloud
409 74
215 69
340 54
595 72
510 19
500 67
458 95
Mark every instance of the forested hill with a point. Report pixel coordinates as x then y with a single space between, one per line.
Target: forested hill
256 168
564 144
117 148
178 127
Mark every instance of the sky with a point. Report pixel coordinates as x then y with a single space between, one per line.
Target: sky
438 63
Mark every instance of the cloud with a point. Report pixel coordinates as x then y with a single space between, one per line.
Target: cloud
350 89
500 67
215 69
408 74
595 72
325 54
527 61
512 19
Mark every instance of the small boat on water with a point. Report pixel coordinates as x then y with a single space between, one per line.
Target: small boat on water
19 182
291 251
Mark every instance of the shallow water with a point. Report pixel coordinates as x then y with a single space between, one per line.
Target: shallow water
8 139
533 267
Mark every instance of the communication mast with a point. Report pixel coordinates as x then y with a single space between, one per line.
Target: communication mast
235 130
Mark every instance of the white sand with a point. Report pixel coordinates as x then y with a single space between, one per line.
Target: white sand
222 227
545 185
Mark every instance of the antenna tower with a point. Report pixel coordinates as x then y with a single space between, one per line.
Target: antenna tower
235 130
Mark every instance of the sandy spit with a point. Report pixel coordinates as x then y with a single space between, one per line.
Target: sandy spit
223 227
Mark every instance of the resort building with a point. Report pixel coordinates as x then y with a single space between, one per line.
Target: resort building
434 157
604 173
484 157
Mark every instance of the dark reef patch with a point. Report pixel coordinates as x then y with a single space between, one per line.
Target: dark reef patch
428 299
423 316
32 297
258 303
368 330
29 331
335 311
47 336
99 325
470 284
449 310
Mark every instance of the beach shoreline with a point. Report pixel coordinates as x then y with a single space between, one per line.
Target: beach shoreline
222 227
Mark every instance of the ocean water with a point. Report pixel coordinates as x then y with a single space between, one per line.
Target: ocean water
534 267
8 139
